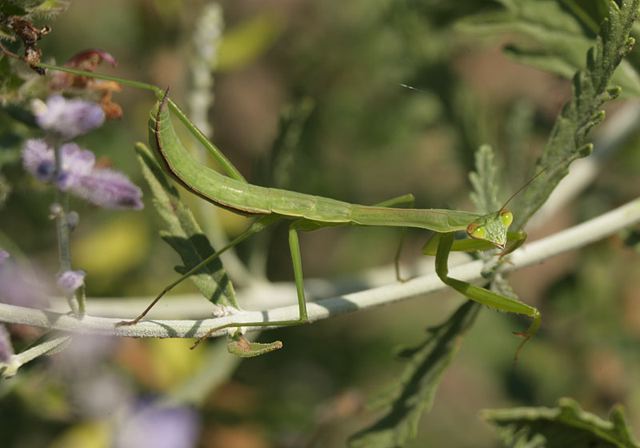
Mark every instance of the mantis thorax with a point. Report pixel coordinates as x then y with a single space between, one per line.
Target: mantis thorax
492 228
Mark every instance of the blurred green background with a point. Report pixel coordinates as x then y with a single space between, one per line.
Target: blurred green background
367 138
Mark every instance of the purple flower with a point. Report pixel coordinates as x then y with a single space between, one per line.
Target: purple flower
70 281
109 189
101 186
6 349
160 427
4 256
21 286
68 118
94 388
76 163
38 159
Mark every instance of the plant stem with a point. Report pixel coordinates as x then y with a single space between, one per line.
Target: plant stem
536 252
76 300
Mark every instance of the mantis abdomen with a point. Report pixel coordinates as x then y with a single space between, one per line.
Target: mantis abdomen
247 198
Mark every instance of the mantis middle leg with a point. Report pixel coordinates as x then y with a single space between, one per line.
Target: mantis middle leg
257 226
408 200
296 260
303 315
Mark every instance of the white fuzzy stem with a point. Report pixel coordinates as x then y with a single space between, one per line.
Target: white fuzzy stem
536 252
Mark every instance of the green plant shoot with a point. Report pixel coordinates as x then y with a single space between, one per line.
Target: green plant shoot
307 212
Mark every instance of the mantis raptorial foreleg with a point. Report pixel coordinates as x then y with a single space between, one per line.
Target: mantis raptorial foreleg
481 295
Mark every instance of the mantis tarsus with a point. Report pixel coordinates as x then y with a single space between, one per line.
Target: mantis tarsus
308 212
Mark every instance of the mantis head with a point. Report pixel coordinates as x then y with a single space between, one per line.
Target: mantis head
492 228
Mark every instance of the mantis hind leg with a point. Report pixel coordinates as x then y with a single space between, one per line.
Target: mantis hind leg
484 296
303 315
409 201
256 227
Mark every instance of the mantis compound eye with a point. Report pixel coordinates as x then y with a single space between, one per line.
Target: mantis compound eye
477 232
506 217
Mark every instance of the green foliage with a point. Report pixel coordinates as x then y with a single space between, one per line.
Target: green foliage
244 348
568 140
366 139
566 425
558 33
282 154
32 9
485 181
418 383
184 235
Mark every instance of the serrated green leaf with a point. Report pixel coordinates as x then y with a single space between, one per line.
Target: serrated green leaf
418 384
47 8
568 140
33 8
485 181
566 425
242 347
561 32
184 235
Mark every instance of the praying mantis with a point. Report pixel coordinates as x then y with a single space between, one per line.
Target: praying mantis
307 212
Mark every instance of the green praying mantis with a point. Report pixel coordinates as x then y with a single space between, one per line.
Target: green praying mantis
308 212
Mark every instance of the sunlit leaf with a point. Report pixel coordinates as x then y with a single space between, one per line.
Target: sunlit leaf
566 425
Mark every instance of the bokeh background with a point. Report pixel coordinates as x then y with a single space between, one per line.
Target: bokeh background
367 138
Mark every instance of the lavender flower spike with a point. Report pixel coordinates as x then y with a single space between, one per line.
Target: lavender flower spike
20 285
109 189
68 118
4 256
160 427
70 281
38 159
101 186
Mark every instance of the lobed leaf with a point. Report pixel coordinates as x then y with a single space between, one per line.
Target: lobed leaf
485 181
184 235
566 425
557 32
568 140
418 383
244 348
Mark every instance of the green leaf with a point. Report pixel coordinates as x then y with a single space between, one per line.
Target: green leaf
246 42
242 347
48 8
292 121
568 140
485 181
33 8
566 425
418 383
184 235
557 32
